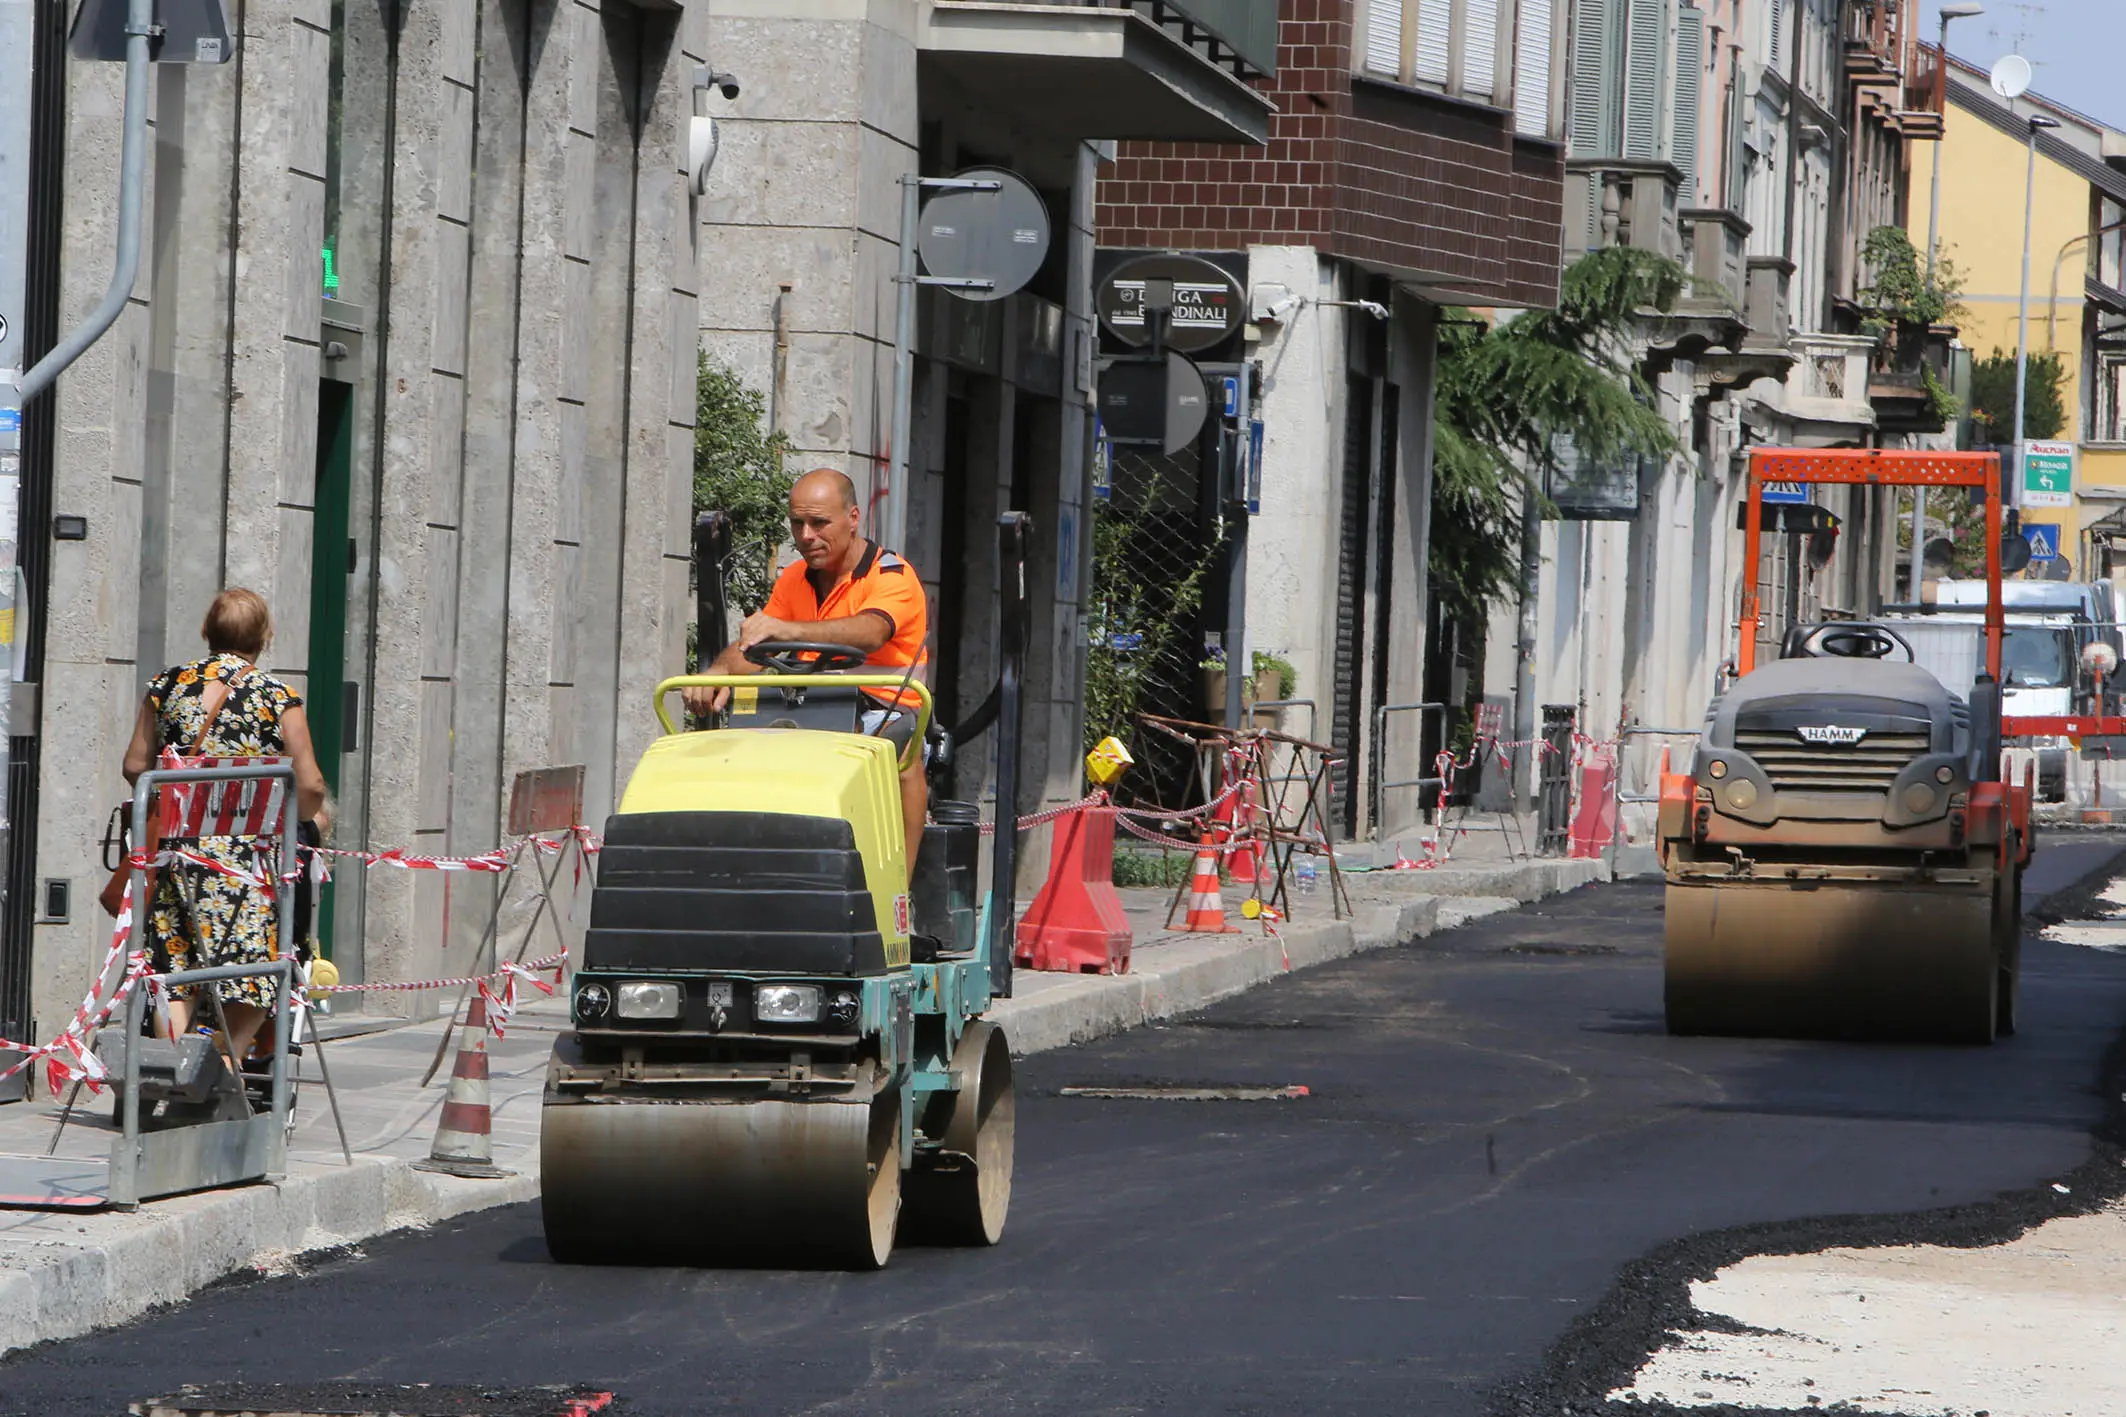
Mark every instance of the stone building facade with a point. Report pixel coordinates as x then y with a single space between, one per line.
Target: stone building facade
802 238
411 351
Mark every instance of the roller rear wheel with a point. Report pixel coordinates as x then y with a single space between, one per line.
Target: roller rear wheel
962 1197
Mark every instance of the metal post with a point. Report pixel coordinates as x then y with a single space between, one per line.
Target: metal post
1239 663
2033 123
889 524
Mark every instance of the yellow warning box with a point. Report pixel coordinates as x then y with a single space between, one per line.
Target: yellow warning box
1107 761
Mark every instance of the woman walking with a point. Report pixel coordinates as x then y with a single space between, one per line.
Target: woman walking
223 706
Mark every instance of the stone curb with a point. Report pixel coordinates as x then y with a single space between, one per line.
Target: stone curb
50 1289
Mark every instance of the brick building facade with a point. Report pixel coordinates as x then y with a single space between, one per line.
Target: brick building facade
1415 161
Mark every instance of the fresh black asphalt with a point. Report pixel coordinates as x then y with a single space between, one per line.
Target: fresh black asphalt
1491 1201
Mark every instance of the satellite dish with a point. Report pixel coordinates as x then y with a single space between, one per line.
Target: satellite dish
1000 236
2011 76
702 142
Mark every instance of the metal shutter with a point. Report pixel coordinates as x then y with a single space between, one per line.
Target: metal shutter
1591 71
1531 70
1645 74
1348 651
1384 37
1435 39
1480 49
1690 86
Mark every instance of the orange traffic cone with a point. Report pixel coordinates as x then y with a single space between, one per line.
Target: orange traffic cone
465 1144
1206 908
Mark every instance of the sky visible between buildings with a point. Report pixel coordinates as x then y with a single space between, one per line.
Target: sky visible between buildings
2074 45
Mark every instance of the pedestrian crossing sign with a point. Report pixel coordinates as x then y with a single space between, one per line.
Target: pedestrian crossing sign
2044 539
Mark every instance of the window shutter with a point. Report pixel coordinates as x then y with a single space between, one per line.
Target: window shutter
1435 30
1480 49
1777 47
1531 70
1384 37
1591 71
1690 87
1644 63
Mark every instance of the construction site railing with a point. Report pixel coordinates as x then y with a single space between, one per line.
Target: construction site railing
1382 783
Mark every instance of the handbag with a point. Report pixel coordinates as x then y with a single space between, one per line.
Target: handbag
112 897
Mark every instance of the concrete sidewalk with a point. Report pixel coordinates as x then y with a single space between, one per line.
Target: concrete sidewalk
66 1274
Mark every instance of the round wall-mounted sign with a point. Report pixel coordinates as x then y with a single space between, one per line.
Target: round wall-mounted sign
1000 237
1163 402
1208 302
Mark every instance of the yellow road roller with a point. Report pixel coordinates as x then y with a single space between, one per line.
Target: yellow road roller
778 1055
1842 857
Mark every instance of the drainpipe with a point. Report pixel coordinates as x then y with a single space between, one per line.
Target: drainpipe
779 374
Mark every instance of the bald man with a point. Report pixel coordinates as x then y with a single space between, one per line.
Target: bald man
844 590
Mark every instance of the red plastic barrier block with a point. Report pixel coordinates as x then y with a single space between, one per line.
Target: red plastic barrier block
1594 826
1076 924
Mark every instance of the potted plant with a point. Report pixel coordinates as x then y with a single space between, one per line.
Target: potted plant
1274 679
1212 666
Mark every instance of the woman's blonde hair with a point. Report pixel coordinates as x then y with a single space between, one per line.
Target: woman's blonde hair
238 622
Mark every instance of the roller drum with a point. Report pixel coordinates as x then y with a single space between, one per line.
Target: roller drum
1830 959
773 1182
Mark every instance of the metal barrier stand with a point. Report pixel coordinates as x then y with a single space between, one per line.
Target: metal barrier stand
203 1154
1619 798
1382 782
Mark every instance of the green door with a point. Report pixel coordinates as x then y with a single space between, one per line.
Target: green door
334 707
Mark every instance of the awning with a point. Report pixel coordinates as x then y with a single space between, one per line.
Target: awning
1086 71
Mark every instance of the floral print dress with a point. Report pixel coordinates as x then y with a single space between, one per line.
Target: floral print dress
200 918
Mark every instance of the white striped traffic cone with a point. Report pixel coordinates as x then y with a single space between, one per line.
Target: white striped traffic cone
1206 907
465 1144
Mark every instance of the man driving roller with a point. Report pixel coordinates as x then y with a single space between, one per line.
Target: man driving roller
843 590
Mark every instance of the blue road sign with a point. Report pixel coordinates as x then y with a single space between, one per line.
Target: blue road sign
1792 493
1231 390
2044 541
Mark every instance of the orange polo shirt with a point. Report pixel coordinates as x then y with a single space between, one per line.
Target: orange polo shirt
882 584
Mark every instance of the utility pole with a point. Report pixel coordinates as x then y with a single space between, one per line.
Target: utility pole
2036 123
1953 10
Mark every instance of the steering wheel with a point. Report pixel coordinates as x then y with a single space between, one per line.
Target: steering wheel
1856 641
781 657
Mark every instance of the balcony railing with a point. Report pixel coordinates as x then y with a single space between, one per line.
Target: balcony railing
1241 35
1716 242
1876 40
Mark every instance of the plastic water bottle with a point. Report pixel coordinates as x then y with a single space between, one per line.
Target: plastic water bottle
1305 874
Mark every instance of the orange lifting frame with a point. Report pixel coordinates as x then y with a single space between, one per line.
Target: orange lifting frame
1870 467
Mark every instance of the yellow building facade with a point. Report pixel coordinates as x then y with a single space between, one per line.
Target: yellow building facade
2076 310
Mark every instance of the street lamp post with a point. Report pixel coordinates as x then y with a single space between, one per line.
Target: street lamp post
1957 10
2035 124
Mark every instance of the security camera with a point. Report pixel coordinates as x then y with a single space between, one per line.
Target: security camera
725 84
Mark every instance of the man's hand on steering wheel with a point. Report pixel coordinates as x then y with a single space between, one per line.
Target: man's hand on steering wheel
805 657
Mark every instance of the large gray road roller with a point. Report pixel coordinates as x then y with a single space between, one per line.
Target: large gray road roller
779 1055
1843 858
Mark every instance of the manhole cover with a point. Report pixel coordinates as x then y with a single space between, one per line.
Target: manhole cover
1189 1094
1532 949
373 1400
